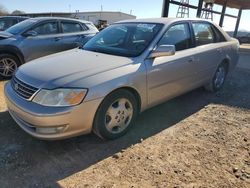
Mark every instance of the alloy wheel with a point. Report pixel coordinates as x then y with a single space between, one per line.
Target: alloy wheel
7 67
220 76
118 116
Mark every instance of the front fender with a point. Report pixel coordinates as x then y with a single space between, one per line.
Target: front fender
130 76
12 50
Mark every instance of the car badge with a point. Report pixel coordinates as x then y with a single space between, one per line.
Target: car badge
16 86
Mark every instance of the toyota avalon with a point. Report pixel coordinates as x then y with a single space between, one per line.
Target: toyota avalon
122 71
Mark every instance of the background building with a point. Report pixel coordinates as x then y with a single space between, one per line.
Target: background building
96 17
99 18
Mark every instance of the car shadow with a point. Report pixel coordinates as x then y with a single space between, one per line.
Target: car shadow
28 162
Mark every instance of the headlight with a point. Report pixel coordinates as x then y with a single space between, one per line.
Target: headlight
60 97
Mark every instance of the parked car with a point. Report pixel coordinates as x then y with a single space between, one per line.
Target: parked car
37 37
8 21
102 87
244 39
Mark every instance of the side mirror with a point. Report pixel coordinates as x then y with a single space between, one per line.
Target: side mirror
163 50
30 33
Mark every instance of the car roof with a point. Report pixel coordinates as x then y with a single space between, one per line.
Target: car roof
160 20
14 17
58 18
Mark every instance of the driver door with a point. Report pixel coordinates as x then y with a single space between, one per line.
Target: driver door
170 76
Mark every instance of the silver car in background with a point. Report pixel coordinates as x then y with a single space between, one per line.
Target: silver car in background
125 69
37 37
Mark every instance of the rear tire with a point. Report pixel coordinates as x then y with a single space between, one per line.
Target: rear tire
115 115
219 78
8 65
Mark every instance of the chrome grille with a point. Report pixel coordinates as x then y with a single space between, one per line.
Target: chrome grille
22 89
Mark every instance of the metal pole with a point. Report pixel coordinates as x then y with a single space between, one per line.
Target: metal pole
223 13
165 8
238 23
198 15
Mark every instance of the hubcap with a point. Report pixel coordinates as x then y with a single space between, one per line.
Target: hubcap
7 67
219 77
118 115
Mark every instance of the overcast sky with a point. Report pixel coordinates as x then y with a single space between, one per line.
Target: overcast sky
139 8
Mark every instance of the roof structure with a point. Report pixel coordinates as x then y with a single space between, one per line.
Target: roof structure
244 4
241 5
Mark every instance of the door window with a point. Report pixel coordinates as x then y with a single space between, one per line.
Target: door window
177 35
46 28
219 36
203 33
71 27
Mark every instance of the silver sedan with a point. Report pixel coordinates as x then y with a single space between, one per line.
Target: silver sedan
125 69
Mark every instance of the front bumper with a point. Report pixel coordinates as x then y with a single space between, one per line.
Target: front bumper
67 121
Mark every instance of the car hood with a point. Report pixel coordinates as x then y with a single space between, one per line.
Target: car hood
5 35
62 69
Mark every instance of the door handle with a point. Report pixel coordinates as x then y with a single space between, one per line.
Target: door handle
58 38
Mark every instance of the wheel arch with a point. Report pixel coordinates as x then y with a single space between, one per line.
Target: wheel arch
13 51
131 90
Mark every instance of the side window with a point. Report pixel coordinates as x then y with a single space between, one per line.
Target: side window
203 33
71 27
46 28
219 36
177 35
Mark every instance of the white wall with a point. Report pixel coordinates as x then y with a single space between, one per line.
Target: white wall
111 17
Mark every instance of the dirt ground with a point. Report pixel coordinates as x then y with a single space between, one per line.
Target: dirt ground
197 140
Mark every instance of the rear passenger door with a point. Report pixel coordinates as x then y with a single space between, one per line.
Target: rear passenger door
209 49
73 34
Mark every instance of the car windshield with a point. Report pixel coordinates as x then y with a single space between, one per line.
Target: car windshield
20 27
125 39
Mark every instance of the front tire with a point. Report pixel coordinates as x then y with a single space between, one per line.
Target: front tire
115 115
8 65
219 78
